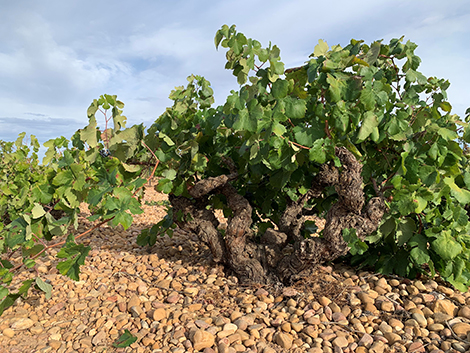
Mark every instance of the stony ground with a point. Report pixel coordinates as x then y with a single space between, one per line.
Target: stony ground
175 300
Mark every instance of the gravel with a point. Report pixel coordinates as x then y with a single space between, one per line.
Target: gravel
174 299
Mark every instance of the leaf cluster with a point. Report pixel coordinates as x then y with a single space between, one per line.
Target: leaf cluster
41 201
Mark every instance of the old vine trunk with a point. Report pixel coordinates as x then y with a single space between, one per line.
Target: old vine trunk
263 261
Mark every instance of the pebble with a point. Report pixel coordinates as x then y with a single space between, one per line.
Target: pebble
444 306
8 332
100 337
22 324
392 337
420 319
461 329
203 339
133 301
159 314
176 300
55 344
366 340
340 342
464 311
416 347
284 340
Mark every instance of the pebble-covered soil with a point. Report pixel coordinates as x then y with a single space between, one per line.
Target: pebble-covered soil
174 299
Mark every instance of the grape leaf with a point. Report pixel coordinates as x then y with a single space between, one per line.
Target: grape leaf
45 287
75 255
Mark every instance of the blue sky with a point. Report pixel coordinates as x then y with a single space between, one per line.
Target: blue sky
57 56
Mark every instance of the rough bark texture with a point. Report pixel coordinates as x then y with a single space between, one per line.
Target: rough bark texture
265 262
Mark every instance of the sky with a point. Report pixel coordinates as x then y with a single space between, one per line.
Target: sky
57 56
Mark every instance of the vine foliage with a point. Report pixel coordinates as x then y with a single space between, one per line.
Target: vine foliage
357 136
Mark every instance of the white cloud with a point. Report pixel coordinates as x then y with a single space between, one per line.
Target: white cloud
56 57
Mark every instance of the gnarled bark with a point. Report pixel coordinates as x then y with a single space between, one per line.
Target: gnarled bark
265 262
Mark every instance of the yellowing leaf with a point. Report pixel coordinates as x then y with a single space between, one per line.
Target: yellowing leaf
38 211
356 60
445 106
321 48
278 129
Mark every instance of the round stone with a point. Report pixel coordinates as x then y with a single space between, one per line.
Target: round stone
22 324
340 342
445 306
9 332
203 339
461 329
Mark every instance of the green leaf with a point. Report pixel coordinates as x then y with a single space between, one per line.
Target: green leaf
96 195
406 205
9 300
357 246
368 98
373 53
466 134
446 246
63 178
218 37
280 89
461 195
388 226
447 134
317 153
3 292
122 194
6 264
125 340
237 42
36 249
295 108
89 134
169 174
419 251
45 287
279 179
421 204
123 218
433 151
165 186
75 255
336 88
131 168
29 263
405 230
356 60
42 194
369 124
245 121
428 174
277 67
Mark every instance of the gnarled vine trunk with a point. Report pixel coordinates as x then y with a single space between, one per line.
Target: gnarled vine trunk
264 261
